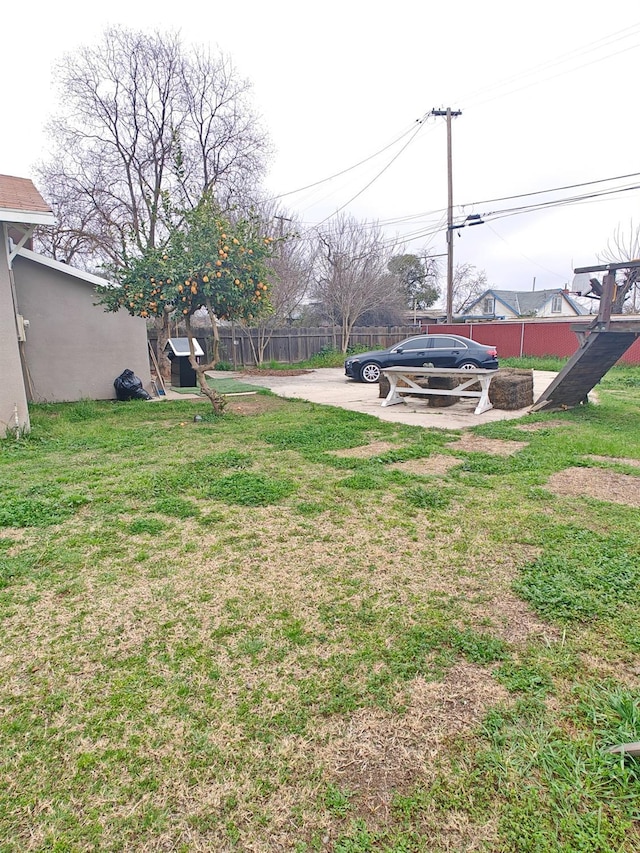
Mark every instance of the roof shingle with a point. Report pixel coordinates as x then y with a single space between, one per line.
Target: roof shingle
21 194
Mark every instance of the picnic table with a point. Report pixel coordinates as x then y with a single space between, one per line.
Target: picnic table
409 377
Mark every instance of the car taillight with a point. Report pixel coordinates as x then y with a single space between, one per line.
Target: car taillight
493 352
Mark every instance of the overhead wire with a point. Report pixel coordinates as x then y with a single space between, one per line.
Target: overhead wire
375 178
603 195
354 166
437 227
558 202
526 257
590 47
605 41
554 76
465 205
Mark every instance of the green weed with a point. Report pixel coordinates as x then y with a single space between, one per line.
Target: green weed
219 630
427 498
583 575
247 489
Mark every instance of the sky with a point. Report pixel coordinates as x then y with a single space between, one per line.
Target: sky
547 91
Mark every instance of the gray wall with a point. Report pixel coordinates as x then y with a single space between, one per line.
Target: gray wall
12 391
74 349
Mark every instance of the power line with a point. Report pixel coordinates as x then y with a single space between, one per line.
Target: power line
590 47
473 204
556 189
355 165
604 42
375 178
532 208
555 76
561 202
526 257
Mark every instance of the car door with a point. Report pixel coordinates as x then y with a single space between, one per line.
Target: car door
415 352
446 351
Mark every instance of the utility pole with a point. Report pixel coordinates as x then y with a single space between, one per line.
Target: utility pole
448 113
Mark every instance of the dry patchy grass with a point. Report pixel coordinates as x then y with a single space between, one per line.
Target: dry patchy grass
435 465
599 483
367 451
207 683
479 444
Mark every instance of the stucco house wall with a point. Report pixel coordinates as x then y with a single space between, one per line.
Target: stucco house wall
74 349
13 398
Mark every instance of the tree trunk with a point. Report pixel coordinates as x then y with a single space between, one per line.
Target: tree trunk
164 333
617 306
218 401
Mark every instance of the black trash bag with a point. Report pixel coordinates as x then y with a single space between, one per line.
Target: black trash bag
129 387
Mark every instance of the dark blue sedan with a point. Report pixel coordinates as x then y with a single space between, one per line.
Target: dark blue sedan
423 351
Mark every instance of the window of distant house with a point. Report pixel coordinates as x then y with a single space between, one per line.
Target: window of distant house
488 306
556 305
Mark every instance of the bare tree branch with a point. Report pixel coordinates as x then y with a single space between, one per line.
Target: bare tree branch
141 120
468 284
352 273
624 245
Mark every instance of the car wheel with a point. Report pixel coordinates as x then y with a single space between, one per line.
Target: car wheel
467 365
369 372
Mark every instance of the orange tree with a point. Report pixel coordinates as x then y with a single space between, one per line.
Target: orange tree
208 262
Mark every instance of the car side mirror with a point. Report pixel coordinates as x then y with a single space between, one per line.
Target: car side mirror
398 350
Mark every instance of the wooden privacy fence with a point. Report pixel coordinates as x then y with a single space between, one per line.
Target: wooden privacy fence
512 338
291 344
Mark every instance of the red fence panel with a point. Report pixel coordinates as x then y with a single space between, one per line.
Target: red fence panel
531 337
632 355
549 339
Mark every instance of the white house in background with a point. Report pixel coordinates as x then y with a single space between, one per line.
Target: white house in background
519 304
56 344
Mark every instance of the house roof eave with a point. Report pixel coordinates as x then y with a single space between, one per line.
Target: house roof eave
96 280
26 217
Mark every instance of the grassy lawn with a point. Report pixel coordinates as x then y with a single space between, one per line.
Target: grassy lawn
223 385
297 628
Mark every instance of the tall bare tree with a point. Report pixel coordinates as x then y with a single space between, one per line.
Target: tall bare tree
143 119
624 245
290 278
468 284
352 273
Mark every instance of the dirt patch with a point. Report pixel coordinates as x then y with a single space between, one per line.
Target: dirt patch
513 620
255 405
538 425
438 464
609 460
599 483
379 753
366 450
480 444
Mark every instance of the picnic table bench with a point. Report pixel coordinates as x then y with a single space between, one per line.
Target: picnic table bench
409 377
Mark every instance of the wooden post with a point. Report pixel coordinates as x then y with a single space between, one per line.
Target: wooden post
606 300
